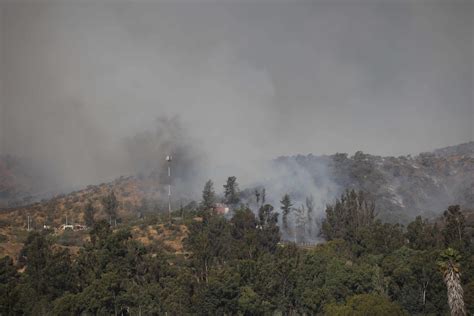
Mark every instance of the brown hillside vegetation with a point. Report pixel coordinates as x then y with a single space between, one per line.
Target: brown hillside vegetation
130 193
163 236
169 236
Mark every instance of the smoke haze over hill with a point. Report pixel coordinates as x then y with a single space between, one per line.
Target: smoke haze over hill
83 84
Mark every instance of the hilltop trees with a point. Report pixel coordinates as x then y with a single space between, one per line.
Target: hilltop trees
345 219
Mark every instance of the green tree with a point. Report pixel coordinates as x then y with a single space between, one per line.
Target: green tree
421 235
455 228
245 234
208 196
300 223
413 280
48 273
267 216
9 278
285 207
250 303
68 304
378 238
363 305
350 213
277 279
220 295
269 233
209 243
231 191
309 212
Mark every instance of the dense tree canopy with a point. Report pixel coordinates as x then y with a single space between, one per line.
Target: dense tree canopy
239 266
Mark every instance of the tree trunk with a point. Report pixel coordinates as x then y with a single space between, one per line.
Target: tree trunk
455 291
425 288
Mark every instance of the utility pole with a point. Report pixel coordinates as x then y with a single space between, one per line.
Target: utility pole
169 159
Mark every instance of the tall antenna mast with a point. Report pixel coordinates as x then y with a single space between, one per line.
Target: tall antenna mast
169 158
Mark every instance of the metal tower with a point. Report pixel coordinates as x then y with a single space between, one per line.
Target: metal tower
169 158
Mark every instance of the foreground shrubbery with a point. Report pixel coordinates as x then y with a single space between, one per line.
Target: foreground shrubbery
238 267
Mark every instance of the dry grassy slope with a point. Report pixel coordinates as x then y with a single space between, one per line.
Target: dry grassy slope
154 236
130 193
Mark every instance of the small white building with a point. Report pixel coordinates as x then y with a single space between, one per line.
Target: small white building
65 226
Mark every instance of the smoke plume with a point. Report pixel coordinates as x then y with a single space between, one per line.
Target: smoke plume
90 91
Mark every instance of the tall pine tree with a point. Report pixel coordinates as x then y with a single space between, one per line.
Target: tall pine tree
285 207
208 196
231 191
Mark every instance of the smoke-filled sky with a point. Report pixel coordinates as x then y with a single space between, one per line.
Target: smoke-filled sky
246 80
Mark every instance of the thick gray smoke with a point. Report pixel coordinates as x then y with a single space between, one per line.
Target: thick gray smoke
146 152
302 183
83 84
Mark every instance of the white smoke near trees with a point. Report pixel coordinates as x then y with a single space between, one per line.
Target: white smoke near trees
305 185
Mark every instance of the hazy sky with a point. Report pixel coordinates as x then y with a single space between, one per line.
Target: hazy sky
248 80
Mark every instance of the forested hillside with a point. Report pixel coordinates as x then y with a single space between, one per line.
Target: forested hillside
404 186
113 248
239 266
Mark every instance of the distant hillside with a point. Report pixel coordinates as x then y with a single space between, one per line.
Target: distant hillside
404 186
131 192
21 182
134 196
